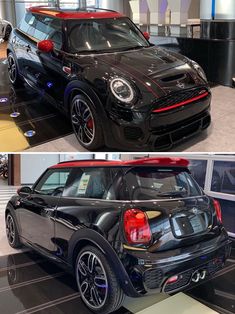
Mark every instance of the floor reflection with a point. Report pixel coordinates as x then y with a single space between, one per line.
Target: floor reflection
23 110
30 283
219 292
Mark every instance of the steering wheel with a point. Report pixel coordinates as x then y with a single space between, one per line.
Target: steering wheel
58 191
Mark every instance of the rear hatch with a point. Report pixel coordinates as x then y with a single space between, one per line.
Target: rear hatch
179 214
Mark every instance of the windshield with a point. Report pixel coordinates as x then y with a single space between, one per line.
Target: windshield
146 183
104 35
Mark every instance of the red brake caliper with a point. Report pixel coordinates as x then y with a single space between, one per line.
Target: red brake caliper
90 124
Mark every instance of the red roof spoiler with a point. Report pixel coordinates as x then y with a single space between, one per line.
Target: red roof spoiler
74 14
156 161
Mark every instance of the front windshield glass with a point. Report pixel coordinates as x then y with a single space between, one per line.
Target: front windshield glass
104 35
146 183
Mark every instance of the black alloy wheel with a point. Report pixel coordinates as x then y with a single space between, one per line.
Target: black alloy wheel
12 232
13 71
97 283
86 124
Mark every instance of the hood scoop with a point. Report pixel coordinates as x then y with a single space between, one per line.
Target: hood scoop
174 78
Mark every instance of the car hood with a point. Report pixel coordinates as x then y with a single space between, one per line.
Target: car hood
148 61
157 70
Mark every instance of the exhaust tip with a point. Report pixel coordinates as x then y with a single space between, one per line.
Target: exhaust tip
199 275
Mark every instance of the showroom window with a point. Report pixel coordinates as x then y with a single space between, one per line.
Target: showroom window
52 180
223 177
90 183
198 168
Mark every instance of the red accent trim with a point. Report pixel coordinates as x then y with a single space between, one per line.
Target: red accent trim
172 279
186 102
74 14
218 209
161 161
46 45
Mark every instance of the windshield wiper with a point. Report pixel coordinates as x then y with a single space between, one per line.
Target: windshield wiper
133 48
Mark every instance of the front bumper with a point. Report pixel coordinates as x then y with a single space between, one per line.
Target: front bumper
149 276
157 131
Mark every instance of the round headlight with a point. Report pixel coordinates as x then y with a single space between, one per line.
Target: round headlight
122 90
199 70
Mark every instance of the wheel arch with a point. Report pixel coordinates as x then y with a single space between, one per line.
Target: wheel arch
84 237
78 87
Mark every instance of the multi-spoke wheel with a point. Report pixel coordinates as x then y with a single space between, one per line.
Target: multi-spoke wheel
13 70
85 122
12 232
97 282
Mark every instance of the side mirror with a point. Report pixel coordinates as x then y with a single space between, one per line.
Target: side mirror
146 35
24 191
45 46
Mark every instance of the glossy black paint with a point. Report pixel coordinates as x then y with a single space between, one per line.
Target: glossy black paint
58 227
154 73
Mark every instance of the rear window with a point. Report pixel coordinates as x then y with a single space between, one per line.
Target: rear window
146 183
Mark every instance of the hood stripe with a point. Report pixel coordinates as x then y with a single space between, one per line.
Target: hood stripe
143 83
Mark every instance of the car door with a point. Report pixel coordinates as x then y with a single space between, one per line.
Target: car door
21 41
45 70
37 210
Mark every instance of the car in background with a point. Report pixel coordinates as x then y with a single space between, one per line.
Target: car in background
122 227
5 29
117 88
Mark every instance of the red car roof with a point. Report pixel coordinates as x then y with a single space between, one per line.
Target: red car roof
160 161
74 14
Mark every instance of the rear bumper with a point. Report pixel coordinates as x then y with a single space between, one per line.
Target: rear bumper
150 276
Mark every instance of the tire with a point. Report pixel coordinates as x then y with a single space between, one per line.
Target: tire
13 72
86 123
12 232
109 295
7 32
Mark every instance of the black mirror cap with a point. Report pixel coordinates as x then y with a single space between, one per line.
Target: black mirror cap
24 191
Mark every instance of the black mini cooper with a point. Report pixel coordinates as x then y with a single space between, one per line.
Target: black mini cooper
116 87
122 227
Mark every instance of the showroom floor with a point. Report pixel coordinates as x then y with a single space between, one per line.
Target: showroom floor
29 283
53 132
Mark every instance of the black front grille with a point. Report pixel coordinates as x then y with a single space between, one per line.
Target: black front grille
153 278
178 97
166 138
